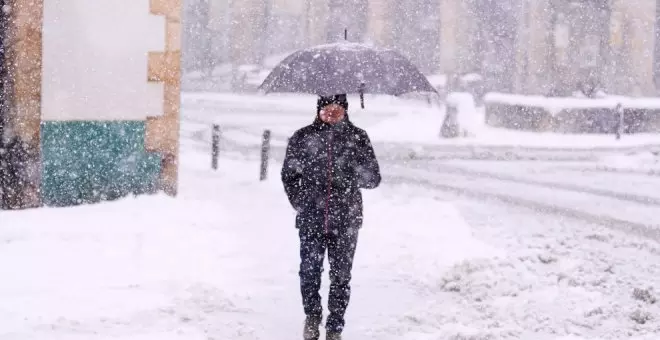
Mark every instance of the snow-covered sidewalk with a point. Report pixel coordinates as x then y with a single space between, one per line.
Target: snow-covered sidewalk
219 262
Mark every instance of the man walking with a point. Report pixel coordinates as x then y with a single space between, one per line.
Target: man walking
326 165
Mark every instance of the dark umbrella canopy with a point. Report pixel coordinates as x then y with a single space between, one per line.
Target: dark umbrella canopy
346 68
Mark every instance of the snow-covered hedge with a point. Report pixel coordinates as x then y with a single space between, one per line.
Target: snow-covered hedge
571 114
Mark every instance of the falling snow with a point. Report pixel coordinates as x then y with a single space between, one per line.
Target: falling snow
478 169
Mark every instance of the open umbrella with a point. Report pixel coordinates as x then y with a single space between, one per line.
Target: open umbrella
346 67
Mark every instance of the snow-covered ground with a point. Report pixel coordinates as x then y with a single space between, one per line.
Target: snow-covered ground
451 249
647 161
206 266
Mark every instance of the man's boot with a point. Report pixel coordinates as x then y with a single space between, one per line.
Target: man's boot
333 336
311 329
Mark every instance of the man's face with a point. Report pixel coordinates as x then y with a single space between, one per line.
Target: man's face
332 113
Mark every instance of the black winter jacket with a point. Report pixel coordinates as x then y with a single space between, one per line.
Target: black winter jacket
324 169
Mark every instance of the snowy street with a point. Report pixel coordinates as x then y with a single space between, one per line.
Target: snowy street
463 240
617 186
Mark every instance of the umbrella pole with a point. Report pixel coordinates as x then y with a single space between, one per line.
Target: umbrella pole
345 33
362 95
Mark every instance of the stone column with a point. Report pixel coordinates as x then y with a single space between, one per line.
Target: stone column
538 47
247 21
23 57
457 37
219 26
380 20
162 133
617 47
639 18
317 21
451 39
522 44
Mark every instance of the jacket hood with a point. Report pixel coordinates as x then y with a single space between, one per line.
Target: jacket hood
339 99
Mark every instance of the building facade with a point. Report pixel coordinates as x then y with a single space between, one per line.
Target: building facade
256 28
567 45
82 137
551 47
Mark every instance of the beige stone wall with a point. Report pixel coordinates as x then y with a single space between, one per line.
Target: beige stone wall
536 73
534 48
24 55
314 18
317 21
165 66
246 18
521 52
218 12
456 36
634 40
631 39
379 27
295 7
449 31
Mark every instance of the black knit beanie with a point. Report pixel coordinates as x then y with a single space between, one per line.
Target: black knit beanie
339 99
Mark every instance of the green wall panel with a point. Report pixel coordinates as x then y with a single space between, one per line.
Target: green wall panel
88 162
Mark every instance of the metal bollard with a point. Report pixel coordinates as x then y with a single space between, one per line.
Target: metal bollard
450 126
621 117
265 153
215 146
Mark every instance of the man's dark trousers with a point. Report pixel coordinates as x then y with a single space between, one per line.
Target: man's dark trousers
341 245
